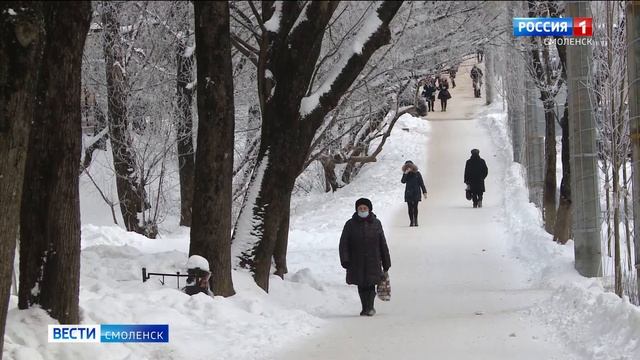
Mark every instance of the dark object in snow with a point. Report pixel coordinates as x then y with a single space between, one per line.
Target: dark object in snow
147 275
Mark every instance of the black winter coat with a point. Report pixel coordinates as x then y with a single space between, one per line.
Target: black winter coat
414 184
363 250
475 171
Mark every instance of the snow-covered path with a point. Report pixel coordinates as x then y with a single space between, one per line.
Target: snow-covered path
456 292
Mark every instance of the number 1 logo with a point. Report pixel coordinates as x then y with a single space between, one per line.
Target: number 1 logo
582 26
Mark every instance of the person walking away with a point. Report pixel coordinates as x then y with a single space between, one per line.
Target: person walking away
364 253
429 93
480 54
444 95
475 171
452 74
414 184
476 77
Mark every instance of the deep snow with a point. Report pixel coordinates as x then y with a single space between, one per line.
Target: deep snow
466 284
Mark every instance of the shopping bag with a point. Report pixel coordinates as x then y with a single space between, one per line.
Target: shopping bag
384 288
467 192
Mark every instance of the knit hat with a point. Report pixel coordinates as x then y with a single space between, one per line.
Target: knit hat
364 201
408 162
475 152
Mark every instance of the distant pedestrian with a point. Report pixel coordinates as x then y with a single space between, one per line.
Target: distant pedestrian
444 95
413 191
429 93
364 253
480 55
452 75
476 77
475 171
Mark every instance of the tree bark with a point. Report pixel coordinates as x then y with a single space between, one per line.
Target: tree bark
633 66
131 192
285 68
562 231
50 214
21 39
186 160
211 227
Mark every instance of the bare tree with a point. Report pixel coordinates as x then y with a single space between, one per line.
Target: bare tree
131 192
21 43
211 228
290 46
50 212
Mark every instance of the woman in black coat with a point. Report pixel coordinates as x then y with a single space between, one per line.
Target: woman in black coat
412 194
475 171
364 253
444 95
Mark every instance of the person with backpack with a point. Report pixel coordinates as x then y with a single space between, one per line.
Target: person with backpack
475 171
364 253
414 189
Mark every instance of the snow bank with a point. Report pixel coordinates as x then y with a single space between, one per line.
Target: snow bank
249 325
596 323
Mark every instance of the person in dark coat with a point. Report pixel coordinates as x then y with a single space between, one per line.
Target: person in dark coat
429 93
412 194
364 253
475 171
444 94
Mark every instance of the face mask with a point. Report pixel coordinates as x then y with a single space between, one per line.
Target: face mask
363 214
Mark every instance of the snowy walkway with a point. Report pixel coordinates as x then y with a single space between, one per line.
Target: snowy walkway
456 293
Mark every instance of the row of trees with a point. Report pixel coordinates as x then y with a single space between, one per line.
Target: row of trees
584 91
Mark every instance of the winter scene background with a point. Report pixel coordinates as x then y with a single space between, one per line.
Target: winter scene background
135 134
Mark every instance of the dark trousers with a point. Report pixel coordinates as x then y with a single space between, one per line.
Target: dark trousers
476 197
413 212
430 102
367 296
443 104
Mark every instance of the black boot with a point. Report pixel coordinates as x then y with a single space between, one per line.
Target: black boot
411 216
415 216
479 203
364 301
371 298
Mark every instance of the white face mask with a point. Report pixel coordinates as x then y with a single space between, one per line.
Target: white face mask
363 214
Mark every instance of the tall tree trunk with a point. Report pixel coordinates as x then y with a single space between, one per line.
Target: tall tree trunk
290 120
562 231
186 160
131 192
211 227
550 163
584 177
633 66
282 242
564 216
21 43
50 213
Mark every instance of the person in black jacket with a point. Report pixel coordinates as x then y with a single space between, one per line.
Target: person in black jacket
475 171
364 253
412 194
429 93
